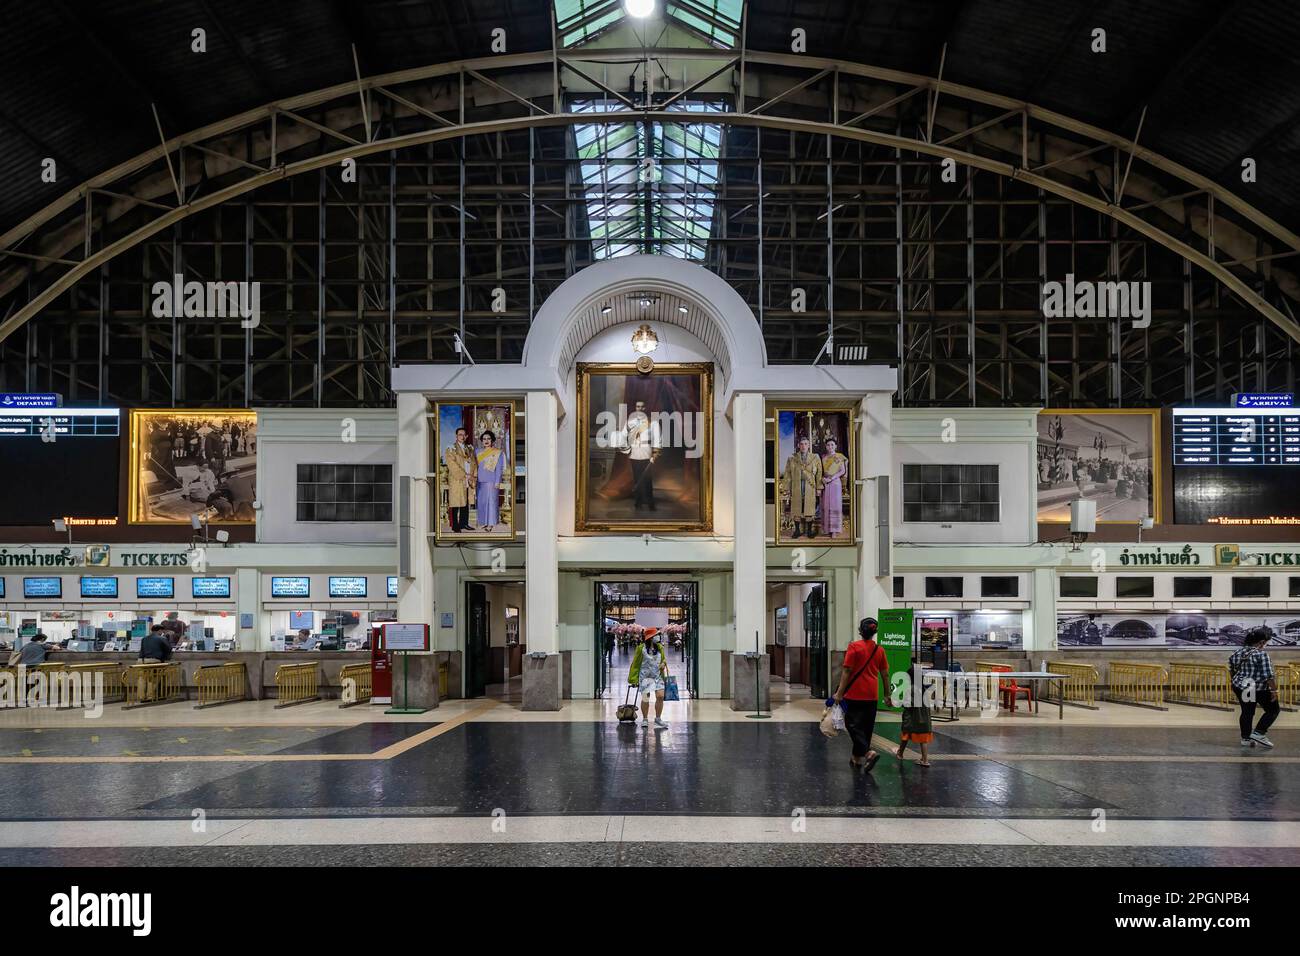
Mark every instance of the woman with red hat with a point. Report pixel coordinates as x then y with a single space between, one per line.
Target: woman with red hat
650 671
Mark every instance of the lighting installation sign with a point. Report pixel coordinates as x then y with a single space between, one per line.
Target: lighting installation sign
347 587
291 587
895 637
406 637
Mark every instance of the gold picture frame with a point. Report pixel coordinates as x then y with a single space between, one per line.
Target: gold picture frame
597 517
167 444
496 415
1154 453
823 430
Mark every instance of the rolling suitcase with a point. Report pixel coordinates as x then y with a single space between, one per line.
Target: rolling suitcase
627 711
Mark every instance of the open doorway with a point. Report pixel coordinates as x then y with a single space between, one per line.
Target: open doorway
797 639
625 610
495 641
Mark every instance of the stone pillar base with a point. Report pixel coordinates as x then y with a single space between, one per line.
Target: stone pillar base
542 679
415 680
744 687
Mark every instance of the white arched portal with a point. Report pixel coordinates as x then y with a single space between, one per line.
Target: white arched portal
718 324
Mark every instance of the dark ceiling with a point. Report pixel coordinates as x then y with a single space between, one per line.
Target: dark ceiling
1221 80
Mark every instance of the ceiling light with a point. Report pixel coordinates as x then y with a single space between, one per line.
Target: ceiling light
639 8
645 303
607 310
682 309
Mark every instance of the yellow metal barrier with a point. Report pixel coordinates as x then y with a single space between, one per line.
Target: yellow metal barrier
1140 684
355 681
1201 685
153 684
112 671
1080 685
221 684
297 683
1288 686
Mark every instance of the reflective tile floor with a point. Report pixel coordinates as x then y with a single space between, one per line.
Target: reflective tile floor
480 782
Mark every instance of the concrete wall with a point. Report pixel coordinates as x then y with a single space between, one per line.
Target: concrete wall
288 437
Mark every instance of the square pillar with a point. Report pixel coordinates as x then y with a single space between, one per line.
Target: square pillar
542 678
750 554
415 602
875 586
1040 635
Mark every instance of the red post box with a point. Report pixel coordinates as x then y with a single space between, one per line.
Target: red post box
381 667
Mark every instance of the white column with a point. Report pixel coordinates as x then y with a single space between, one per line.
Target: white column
1040 635
750 560
248 597
415 604
875 589
541 548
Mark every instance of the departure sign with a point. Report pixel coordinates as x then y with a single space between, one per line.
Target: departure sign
65 463
210 587
1236 466
1233 436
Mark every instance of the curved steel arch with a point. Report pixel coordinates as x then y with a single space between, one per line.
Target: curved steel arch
539 116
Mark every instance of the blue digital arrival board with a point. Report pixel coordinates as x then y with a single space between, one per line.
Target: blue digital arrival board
42 587
291 586
347 587
155 587
210 587
99 587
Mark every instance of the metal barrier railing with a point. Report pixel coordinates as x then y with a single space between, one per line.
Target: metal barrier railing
297 683
112 671
1080 684
1288 685
221 684
153 684
1142 685
354 679
1202 685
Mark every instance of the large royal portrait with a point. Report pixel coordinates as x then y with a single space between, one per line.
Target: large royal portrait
645 448
1110 456
814 468
193 463
475 490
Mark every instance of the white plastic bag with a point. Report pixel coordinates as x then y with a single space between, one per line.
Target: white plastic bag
832 721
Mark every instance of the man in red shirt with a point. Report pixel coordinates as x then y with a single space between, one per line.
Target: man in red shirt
859 691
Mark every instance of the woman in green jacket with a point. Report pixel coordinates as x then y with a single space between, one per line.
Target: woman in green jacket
649 671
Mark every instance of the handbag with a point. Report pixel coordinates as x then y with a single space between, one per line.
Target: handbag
670 688
14 658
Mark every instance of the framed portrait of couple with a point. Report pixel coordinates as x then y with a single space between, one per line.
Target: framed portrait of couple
644 448
475 489
815 471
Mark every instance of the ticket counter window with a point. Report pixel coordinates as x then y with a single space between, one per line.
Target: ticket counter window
321 630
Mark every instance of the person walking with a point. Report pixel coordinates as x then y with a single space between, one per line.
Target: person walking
650 671
1255 683
917 728
859 692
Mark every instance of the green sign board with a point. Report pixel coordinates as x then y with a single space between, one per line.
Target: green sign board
895 636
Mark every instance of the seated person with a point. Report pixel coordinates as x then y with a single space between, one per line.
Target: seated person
156 648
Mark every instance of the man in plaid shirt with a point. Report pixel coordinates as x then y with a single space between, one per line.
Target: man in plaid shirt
1254 681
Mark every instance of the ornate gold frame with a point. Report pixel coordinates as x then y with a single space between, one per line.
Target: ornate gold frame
440 468
1157 452
581 523
135 504
852 452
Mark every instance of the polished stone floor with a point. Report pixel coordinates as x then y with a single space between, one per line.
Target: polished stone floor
480 782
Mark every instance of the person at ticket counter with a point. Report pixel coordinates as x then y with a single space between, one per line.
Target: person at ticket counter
155 649
33 652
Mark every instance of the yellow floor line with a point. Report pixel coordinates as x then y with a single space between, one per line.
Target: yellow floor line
388 753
